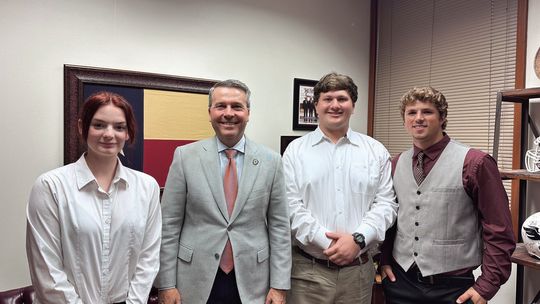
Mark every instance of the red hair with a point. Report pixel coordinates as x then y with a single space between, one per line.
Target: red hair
97 100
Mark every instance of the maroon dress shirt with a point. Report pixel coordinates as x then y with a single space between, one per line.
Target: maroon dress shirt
482 182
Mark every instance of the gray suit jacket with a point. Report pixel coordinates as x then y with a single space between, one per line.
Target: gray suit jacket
196 224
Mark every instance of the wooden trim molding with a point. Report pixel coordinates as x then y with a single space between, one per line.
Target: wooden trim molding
521 52
372 65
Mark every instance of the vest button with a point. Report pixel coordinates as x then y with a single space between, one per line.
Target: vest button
417 207
416 238
418 192
416 254
216 256
416 223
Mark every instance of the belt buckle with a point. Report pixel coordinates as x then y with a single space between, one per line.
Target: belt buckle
333 266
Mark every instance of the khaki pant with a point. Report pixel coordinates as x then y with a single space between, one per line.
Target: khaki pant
315 283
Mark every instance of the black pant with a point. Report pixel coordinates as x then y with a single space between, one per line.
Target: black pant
224 290
410 288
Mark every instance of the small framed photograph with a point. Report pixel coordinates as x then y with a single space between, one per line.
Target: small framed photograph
304 114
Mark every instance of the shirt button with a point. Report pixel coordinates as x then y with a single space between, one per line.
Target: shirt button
229 228
108 221
216 256
416 254
417 207
418 192
416 223
416 238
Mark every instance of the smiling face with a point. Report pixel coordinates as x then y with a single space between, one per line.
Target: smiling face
424 123
107 132
334 109
229 114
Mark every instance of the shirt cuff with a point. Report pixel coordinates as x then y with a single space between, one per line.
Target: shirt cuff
485 289
321 239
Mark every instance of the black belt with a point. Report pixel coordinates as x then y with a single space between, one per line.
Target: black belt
440 279
356 262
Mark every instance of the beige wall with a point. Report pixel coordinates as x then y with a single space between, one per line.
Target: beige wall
264 43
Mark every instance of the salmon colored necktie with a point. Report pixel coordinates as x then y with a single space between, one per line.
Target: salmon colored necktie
230 186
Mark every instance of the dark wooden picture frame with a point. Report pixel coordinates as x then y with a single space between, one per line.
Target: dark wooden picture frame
304 114
285 140
77 77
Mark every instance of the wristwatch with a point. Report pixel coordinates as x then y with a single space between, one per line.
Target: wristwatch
359 239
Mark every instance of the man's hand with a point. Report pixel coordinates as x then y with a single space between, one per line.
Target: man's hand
275 296
343 249
169 296
473 295
386 271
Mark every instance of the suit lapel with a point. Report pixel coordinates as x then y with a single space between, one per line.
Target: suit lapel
250 171
212 170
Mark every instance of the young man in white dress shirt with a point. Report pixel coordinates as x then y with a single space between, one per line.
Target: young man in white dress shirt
341 201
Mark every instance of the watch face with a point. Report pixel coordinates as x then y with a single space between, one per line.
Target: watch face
359 238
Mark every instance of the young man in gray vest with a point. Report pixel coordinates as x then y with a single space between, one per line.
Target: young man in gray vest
453 214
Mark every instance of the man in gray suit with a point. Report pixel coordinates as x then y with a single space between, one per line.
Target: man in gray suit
201 224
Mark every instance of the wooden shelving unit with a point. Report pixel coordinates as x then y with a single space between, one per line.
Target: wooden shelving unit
520 174
522 257
522 96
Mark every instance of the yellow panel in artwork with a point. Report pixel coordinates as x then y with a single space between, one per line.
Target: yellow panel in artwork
176 115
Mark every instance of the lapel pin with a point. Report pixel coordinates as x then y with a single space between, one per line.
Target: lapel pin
255 162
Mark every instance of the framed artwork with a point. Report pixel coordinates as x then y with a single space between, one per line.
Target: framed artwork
285 141
170 111
304 114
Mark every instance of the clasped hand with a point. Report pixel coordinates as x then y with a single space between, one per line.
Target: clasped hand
343 249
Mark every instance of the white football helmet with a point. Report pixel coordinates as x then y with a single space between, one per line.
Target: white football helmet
530 232
532 157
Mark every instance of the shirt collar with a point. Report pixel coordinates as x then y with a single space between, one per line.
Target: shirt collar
84 174
240 145
434 150
318 137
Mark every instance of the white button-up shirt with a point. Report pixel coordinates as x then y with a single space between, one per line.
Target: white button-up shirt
85 245
342 187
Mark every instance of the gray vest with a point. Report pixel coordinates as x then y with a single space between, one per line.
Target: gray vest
437 223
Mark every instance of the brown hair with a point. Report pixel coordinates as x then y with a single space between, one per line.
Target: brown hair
97 100
335 82
425 94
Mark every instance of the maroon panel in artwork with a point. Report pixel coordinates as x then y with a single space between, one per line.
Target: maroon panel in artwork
158 155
